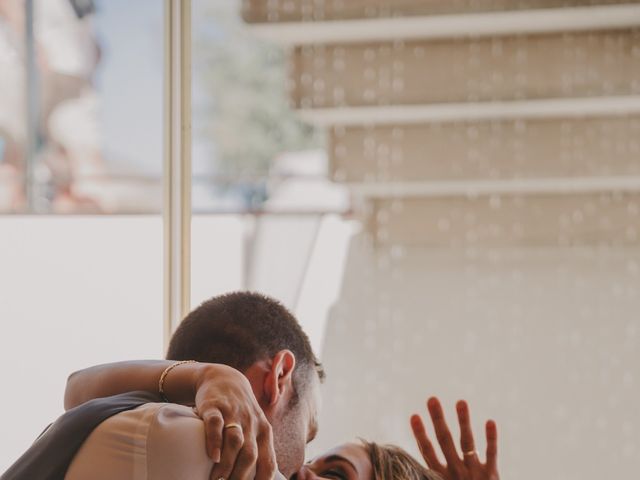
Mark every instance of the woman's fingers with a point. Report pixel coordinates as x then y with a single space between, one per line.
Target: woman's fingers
213 427
492 447
266 466
424 444
233 443
234 425
245 466
466 435
241 453
442 433
455 468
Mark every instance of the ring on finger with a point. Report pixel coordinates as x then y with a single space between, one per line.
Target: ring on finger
470 453
232 425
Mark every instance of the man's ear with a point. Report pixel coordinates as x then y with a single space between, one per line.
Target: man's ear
279 380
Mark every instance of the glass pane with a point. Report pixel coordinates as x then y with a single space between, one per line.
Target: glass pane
77 290
266 212
88 139
463 222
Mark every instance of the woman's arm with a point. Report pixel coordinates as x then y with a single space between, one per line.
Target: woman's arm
221 394
114 378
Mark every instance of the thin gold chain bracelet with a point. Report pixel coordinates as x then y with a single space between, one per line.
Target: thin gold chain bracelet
164 376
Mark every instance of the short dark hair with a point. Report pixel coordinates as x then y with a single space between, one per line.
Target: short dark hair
240 328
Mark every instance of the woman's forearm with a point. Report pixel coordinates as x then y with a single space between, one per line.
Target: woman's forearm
114 378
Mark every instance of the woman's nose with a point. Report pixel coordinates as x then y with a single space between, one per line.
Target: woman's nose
305 473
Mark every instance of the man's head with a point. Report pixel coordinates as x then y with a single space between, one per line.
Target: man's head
260 337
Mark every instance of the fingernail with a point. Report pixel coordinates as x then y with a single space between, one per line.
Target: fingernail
215 455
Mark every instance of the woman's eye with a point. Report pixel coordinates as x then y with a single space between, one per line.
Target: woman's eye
336 474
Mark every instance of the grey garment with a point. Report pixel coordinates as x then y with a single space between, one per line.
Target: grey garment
51 454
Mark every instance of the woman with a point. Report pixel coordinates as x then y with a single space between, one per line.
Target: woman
366 460
354 461
370 461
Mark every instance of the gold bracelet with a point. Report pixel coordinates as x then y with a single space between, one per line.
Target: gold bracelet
164 376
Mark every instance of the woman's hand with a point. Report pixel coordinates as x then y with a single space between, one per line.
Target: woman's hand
457 467
239 437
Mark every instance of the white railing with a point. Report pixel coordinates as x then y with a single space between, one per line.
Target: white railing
550 20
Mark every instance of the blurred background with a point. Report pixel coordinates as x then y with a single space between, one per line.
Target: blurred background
445 192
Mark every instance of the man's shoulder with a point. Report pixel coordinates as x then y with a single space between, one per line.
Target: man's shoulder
159 414
153 441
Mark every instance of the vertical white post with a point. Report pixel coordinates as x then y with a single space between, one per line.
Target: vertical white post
32 97
177 164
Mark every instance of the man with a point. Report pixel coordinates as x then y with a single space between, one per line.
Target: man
249 332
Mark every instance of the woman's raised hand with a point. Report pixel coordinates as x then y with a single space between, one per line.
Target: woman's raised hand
464 465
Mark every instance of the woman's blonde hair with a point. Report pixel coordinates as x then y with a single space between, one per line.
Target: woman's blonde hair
389 462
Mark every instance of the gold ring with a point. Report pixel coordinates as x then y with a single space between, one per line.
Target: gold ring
233 425
470 453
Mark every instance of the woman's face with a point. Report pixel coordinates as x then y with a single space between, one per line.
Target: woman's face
346 462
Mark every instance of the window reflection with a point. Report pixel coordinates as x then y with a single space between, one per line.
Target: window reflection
81 118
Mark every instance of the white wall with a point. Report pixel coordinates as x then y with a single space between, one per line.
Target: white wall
544 340
74 291
77 291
